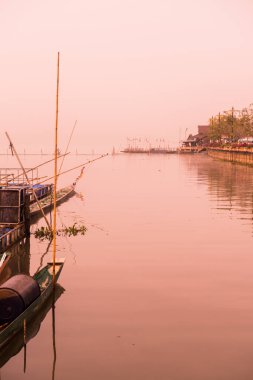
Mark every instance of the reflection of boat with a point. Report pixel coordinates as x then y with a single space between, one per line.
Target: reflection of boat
47 202
15 260
10 235
13 347
45 280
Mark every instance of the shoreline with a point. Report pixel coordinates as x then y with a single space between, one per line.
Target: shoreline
242 155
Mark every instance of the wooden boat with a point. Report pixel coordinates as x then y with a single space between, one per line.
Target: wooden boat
15 345
47 203
45 280
23 296
186 148
162 151
41 191
14 206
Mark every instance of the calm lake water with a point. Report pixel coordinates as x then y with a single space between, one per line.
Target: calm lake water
161 285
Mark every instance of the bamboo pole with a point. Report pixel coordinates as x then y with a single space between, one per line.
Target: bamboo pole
67 146
22 167
36 167
79 166
8 175
55 165
8 185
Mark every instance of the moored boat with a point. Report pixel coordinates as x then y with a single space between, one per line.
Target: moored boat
40 190
150 150
14 345
47 202
191 149
44 279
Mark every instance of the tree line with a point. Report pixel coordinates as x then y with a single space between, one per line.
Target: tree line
232 125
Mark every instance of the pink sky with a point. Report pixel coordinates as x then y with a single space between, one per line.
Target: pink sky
145 69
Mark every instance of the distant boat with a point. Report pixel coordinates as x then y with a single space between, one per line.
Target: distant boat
162 150
44 278
149 151
191 149
191 145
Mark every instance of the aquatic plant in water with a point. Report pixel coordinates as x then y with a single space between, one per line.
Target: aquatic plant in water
43 233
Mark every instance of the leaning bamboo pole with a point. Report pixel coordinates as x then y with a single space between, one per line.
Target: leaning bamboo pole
59 172
22 167
36 167
79 166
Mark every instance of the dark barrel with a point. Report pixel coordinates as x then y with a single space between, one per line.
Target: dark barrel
16 295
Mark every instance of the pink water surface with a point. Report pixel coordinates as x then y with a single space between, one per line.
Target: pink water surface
161 285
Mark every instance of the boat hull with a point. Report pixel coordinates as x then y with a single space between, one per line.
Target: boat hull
16 343
47 204
8 332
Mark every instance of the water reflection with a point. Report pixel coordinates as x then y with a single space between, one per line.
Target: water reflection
32 328
230 186
54 340
169 274
17 261
43 256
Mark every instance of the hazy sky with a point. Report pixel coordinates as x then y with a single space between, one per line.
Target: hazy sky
129 68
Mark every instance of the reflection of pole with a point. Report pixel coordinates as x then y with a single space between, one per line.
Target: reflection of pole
42 257
24 345
53 333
